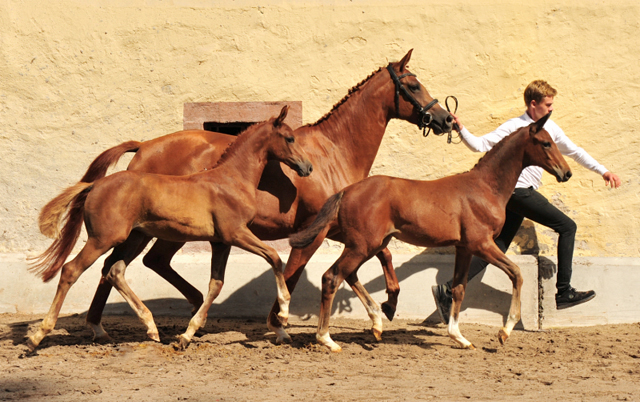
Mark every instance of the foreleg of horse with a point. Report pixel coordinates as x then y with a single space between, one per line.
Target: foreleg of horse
373 309
128 250
331 280
296 263
246 240
219 259
159 260
495 256
71 271
391 281
463 259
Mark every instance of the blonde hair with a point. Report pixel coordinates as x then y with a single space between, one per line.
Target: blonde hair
538 90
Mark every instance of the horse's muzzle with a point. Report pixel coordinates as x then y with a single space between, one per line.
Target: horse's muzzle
563 176
304 169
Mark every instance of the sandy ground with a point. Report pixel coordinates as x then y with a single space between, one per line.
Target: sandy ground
236 360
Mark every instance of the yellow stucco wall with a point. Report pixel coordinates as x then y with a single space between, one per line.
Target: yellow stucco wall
77 77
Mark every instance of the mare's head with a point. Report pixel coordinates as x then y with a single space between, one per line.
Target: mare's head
542 151
284 147
412 101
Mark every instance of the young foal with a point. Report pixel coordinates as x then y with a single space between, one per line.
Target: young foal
215 205
466 210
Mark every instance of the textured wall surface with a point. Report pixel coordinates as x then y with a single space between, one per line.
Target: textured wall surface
77 77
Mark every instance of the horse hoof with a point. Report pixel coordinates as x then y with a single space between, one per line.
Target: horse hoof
281 334
335 348
377 334
281 339
103 339
502 336
181 344
388 310
471 347
31 345
154 336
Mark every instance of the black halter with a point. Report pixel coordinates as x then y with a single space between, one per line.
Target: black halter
424 117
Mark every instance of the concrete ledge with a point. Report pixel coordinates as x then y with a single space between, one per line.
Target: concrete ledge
249 289
615 281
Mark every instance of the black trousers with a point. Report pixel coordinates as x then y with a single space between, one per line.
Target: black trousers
530 204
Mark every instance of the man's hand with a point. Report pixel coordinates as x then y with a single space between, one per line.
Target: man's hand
457 121
611 179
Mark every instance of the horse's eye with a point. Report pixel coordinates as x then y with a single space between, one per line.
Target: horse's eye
546 144
414 88
290 140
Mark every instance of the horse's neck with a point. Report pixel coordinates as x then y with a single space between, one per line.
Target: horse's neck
501 167
357 126
247 161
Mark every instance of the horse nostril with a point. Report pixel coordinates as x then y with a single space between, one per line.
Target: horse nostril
569 174
310 169
449 119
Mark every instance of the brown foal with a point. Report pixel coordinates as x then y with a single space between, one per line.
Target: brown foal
342 146
215 205
466 210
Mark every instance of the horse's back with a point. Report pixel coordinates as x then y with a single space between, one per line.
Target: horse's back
180 153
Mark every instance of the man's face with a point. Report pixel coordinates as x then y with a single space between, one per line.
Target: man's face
538 110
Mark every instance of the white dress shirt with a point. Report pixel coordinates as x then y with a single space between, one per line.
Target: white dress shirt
532 176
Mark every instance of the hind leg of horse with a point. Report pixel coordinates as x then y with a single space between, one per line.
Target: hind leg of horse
296 263
391 282
219 259
463 259
346 264
71 271
116 278
159 260
492 254
373 309
129 251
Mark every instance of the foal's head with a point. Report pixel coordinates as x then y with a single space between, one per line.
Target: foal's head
284 147
416 104
542 151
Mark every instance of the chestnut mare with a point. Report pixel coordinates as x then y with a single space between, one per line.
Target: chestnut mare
215 205
466 210
342 146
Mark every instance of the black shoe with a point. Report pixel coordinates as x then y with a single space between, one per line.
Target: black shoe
572 297
442 296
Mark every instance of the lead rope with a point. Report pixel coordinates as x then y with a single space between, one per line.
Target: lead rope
455 125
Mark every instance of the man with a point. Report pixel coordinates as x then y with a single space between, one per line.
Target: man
526 202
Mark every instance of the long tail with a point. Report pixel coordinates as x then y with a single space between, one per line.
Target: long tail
323 222
99 166
72 199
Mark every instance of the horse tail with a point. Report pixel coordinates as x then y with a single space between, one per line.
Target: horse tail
72 199
99 166
323 222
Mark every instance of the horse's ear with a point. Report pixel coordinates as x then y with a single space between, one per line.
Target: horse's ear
283 113
540 123
402 64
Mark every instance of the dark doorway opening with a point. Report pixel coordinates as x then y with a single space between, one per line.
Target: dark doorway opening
234 128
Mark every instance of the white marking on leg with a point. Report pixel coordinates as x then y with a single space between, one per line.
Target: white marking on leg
454 333
328 342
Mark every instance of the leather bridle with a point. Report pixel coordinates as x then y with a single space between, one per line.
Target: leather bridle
424 117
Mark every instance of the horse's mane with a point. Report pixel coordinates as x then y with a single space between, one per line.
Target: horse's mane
346 98
496 148
241 139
